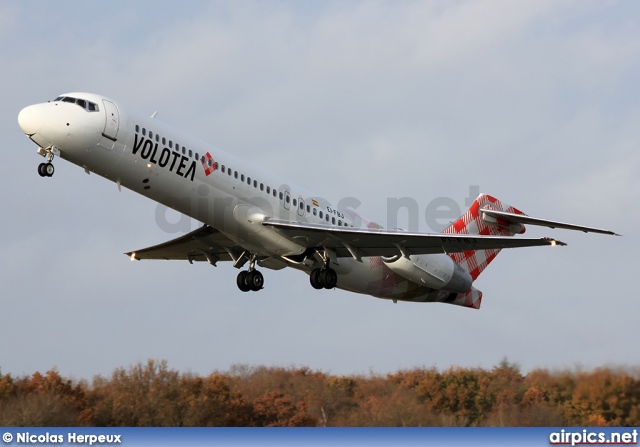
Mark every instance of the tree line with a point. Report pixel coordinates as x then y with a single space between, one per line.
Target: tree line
152 394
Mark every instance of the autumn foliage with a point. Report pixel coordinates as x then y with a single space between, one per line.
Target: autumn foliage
152 394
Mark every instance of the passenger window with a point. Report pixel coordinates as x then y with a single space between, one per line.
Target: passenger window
274 193
235 174
222 169
326 217
170 144
137 128
249 181
196 156
190 153
288 199
164 141
339 223
242 177
157 138
315 212
215 165
268 189
281 195
308 209
150 134
184 151
144 131
261 187
295 202
333 220
255 183
321 214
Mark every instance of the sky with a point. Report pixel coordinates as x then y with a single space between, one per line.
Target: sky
533 102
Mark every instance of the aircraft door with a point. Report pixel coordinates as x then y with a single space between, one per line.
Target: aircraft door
112 119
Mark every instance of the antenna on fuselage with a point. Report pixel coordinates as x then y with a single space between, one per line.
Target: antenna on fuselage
154 114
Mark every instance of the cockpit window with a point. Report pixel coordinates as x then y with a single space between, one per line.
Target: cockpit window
86 105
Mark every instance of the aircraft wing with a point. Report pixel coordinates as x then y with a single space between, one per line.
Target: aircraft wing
362 242
203 244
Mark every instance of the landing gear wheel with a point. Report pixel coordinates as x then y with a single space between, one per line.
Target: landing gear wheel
48 169
329 278
255 280
241 281
314 278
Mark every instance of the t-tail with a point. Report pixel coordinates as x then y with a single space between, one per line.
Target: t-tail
488 216
474 221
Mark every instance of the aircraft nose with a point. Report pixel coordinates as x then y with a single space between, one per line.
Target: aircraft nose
30 119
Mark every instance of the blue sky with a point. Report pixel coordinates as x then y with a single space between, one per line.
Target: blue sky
534 102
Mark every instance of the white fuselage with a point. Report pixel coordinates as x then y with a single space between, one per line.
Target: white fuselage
214 187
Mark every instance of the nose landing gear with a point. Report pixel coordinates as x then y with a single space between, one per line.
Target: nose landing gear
47 169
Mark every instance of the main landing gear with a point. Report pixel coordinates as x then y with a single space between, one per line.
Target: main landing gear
250 279
324 278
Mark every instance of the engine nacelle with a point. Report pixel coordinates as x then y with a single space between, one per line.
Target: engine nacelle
437 271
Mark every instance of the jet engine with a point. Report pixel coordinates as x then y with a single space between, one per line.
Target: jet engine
436 271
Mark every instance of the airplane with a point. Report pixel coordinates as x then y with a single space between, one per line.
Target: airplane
252 217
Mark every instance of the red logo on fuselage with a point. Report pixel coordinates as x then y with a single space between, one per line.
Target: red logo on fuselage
208 164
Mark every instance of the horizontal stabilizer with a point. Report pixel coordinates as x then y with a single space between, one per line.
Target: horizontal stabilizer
511 218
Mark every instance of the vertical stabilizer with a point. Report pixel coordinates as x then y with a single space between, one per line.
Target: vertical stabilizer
473 222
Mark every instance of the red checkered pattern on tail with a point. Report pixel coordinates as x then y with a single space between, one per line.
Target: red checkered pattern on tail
208 164
475 261
471 299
